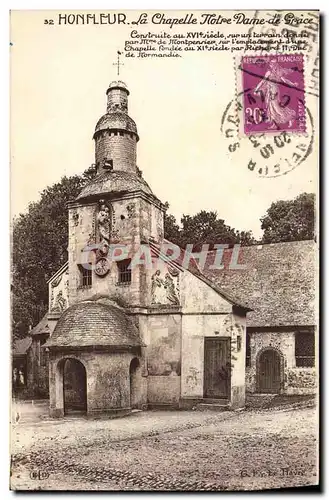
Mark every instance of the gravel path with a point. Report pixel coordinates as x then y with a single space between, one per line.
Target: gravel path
166 451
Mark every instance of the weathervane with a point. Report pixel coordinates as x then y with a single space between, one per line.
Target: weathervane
118 63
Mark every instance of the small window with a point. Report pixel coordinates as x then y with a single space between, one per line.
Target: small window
238 343
86 276
43 352
124 271
121 133
248 350
107 164
304 349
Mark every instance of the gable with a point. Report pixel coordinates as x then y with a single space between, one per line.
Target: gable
198 296
203 288
58 287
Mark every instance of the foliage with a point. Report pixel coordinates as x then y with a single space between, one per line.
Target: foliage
290 220
204 228
39 249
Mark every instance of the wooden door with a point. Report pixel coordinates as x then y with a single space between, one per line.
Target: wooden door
269 376
217 367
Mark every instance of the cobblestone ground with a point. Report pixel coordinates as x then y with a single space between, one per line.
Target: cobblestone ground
167 451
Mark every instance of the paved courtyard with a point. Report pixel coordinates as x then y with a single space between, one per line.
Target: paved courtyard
160 450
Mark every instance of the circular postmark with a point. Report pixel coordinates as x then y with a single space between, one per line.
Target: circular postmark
266 154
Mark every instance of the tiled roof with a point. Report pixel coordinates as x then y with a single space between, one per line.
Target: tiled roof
278 282
115 181
116 120
94 323
41 327
21 346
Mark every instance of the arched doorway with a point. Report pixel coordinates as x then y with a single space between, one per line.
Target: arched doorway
134 371
269 372
74 386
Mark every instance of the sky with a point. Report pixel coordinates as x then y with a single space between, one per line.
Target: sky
59 77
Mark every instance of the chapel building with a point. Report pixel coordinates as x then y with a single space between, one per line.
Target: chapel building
129 326
134 336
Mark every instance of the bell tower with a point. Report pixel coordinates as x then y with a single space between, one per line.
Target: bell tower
116 134
116 208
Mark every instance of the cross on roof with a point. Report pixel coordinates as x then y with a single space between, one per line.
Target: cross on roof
118 63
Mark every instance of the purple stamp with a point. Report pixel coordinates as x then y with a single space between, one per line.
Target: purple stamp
273 93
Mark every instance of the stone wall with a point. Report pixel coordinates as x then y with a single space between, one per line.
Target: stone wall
162 335
119 148
37 370
84 232
294 380
130 224
207 314
197 296
194 330
163 391
108 382
301 381
151 221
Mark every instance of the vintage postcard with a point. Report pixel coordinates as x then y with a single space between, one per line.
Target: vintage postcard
164 194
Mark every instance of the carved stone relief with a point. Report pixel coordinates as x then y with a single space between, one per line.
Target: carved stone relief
60 303
59 293
165 287
104 219
104 227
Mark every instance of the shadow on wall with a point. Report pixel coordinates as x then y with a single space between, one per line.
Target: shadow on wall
75 386
164 356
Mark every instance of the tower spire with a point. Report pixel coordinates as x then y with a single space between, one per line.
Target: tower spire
116 134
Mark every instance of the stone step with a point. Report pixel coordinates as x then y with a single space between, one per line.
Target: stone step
259 400
216 406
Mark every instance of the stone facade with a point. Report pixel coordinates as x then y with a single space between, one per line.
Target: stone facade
293 380
108 387
118 146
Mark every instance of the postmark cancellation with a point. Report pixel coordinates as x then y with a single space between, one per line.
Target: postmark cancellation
273 93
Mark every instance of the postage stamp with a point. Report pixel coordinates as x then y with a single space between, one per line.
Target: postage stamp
273 93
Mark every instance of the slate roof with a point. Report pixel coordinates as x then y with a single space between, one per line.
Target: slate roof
115 181
119 84
116 120
21 346
278 282
94 323
41 327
